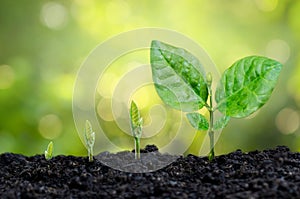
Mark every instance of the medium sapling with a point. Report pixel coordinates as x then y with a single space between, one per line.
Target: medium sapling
89 138
136 123
182 83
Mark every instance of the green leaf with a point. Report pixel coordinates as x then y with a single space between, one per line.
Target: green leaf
135 114
136 120
89 138
198 121
178 77
221 122
89 135
247 85
49 151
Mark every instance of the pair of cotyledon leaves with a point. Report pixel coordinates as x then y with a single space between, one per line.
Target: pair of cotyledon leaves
181 83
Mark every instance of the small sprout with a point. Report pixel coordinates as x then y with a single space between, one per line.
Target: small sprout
136 127
48 152
89 138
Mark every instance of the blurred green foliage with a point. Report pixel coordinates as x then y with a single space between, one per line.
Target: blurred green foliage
43 43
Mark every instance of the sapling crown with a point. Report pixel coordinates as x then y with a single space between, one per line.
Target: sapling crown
89 138
49 151
136 122
181 82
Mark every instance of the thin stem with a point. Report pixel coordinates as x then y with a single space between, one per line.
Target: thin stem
137 148
211 154
90 152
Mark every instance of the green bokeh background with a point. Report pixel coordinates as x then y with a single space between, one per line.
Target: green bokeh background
43 44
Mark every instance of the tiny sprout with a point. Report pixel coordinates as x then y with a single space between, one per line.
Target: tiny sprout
89 138
48 152
136 127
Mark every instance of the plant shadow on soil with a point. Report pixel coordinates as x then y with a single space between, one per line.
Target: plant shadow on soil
273 173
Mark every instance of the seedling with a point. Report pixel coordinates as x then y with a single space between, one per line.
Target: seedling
136 127
48 152
181 83
89 138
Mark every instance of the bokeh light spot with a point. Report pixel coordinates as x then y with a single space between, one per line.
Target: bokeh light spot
50 126
107 84
287 121
117 11
142 97
104 109
266 5
294 82
156 121
278 49
54 15
64 87
7 76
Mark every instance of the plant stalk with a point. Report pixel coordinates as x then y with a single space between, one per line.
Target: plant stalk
137 149
211 154
90 152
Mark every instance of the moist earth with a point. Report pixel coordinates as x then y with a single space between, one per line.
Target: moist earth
273 173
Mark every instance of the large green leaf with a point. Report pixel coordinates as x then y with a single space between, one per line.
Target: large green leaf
198 121
178 77
247 85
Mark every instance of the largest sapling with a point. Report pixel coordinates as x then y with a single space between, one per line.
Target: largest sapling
182 83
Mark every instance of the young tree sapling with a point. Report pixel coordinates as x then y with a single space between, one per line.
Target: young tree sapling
181 82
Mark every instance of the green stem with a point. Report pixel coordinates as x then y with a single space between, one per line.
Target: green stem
137 148
211 154
90 152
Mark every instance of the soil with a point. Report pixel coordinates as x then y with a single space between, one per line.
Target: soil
267 174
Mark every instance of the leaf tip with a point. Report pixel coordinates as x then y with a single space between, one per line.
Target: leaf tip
155 43
133 104
88 124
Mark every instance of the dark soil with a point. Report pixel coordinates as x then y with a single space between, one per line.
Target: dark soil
267 174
